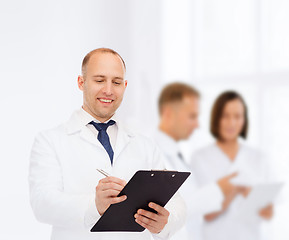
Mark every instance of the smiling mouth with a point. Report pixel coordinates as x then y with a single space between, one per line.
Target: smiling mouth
105 100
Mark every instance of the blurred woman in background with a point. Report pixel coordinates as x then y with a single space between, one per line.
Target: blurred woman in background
229 122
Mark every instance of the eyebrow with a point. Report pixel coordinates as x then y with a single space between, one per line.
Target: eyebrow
102 76
118 78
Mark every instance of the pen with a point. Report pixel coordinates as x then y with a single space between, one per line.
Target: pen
103 172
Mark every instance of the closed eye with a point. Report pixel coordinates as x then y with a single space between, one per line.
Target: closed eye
99 80
117 83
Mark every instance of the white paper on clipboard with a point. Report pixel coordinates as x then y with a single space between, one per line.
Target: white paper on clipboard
260 196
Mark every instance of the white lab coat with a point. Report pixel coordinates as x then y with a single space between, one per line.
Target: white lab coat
199 201
63 178
210 164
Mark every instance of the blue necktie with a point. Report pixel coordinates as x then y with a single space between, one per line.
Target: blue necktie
103 136
181 156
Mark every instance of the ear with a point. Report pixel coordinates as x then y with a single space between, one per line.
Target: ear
167 110
173 110
125 83
80 82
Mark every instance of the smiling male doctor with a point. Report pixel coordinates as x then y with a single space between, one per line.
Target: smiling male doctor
66 191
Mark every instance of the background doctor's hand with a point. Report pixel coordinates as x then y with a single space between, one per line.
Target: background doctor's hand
266 212
226 186
154 222
244 190
106 193
229 190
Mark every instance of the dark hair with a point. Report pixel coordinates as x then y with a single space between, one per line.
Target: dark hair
98 50
218 109
175 92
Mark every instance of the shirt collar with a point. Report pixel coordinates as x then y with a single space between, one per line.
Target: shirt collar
168 145
86 118
80 118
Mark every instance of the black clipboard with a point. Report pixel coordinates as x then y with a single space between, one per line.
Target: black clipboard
144 187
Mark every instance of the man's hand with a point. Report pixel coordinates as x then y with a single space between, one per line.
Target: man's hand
106 193
154 222
266 212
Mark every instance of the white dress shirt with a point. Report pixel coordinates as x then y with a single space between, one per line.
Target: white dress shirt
210 164
63 177
199 201
111 130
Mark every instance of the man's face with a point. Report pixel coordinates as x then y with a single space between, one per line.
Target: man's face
103 85
185 117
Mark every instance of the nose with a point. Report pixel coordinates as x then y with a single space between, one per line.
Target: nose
231 122
107 89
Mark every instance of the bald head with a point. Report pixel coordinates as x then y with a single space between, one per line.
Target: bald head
98 51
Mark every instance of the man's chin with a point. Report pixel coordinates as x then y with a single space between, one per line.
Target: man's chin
106 115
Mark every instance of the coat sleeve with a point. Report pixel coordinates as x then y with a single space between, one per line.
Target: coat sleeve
49 202
176 206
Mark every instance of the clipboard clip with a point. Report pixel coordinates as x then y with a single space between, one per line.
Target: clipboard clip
165 170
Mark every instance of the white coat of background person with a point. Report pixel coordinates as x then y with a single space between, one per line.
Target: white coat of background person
66 191
179 110
229 120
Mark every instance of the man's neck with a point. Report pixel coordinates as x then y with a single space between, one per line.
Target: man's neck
165 129
102 120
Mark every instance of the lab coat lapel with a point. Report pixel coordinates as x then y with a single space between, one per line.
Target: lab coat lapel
87 135
124 137
76 124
